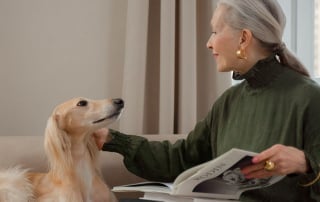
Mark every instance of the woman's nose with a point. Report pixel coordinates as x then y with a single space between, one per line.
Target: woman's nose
209 46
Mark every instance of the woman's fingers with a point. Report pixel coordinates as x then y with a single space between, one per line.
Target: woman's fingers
101 137
277 160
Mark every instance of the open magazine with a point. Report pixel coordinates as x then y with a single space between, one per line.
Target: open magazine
219 178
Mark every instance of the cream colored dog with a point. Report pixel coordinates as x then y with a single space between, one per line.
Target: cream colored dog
74 173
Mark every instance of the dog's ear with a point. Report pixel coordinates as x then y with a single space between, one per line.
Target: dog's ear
57 145
59 121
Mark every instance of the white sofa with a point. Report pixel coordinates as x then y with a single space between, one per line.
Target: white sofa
28 151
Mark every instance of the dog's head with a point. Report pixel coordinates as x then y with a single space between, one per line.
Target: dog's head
75 121
82 115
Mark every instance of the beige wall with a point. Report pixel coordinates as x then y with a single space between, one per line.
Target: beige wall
51 51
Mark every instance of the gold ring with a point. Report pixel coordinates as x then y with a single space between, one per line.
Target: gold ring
269 165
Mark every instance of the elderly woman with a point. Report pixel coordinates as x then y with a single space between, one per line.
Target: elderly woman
274 111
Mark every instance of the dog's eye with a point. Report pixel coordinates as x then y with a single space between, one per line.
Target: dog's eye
82 103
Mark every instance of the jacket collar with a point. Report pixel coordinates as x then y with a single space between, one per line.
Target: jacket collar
262 73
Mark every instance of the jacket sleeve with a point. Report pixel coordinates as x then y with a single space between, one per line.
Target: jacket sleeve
312 142
162 161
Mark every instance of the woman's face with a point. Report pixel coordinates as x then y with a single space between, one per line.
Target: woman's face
224 42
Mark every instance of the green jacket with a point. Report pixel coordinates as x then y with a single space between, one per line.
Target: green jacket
273 105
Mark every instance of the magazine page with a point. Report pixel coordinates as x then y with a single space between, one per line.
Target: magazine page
165 197
173 198
213 200
195 186
188 173
222 178
161 187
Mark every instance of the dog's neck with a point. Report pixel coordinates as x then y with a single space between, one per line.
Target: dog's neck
80 150
83 167
79 165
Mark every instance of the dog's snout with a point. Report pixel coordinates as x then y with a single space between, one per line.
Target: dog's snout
118 102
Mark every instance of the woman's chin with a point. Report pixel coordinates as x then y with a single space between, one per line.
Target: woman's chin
223 69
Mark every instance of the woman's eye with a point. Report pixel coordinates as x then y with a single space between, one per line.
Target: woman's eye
82 103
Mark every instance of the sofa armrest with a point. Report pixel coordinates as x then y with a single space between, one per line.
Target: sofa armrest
24 151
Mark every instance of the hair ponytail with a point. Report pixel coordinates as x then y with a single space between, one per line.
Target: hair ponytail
288 59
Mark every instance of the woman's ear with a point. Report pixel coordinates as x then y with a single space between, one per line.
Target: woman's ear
245 38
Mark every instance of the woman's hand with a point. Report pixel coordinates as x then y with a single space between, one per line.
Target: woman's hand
101 136
286 159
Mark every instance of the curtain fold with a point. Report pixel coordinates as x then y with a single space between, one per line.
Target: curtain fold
134 73
169 77
187 68
167 66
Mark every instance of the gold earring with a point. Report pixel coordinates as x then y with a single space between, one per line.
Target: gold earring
241 54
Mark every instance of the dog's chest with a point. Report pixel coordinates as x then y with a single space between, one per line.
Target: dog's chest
85 173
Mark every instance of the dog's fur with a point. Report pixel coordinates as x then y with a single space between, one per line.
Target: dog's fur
74 174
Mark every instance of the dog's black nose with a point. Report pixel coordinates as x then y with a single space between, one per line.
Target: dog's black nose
118 102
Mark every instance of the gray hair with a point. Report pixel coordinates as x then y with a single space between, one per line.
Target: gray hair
266 20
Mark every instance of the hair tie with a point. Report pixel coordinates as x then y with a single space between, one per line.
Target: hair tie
279 48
